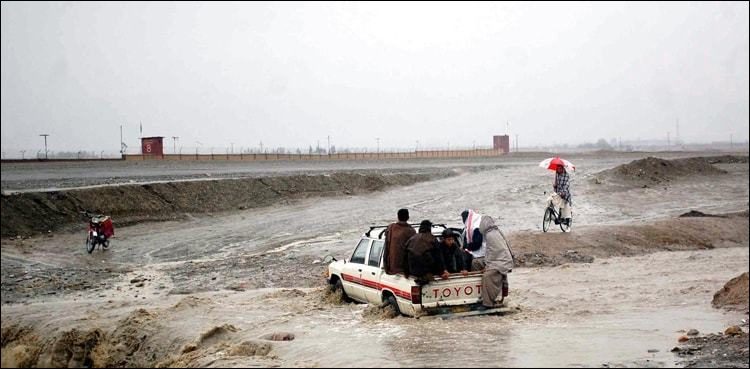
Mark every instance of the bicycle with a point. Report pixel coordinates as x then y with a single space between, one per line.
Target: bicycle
100 229
552 214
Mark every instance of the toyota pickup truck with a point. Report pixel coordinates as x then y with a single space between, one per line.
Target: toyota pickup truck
362 278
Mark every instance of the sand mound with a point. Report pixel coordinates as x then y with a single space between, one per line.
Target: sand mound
734 295
655 171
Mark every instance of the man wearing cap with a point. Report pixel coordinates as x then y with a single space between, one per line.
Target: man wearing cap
396 236
451 254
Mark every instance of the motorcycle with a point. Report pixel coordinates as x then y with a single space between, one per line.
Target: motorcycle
100 230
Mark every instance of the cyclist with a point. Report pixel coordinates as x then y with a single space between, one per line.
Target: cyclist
562 188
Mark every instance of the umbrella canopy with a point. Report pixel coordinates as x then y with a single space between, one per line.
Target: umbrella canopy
553 163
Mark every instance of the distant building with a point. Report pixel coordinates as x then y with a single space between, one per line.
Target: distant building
152 146
501 143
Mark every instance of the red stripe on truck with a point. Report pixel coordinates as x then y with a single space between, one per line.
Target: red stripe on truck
376 285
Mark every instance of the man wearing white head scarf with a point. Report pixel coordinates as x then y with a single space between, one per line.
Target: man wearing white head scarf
474 244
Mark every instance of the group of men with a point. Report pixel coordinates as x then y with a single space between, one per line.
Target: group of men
422 255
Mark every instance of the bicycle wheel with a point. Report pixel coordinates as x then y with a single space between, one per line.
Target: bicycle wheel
566 227
547 219
90 245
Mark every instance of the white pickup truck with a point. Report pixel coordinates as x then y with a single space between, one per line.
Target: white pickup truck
363 279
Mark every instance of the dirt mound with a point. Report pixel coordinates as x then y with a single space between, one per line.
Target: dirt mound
655 171
38 212
698 214
533 248
734 295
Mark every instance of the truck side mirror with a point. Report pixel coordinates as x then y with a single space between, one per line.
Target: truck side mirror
328 259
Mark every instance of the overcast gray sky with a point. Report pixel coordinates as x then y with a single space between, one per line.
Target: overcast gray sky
291 74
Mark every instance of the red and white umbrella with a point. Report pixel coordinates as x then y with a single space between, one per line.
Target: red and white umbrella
553 163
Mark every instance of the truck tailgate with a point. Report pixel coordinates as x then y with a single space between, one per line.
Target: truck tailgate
457 290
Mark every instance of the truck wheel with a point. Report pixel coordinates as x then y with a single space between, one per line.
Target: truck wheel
393 304
340 287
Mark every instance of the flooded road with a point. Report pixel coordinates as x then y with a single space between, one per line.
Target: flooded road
255 270
578 315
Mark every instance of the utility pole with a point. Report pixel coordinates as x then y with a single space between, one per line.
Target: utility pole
417 149
120 139
668 144
378 147
174 144
261 146
677 132
232 143
45 145
22 154
516 142
329 145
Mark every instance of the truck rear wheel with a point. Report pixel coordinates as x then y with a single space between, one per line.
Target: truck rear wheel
393 304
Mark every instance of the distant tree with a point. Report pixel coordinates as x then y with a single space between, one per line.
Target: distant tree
603 145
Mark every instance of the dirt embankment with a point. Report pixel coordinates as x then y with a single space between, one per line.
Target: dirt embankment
734 295
653 171
38 212
533 248
720 350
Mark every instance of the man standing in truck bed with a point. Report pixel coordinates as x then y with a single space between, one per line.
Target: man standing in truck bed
498 262
396 236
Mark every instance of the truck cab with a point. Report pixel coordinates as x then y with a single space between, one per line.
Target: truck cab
362 278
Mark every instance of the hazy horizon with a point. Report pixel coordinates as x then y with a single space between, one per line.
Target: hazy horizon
291 74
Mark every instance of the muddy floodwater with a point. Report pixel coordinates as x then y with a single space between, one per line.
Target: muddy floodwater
209 288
